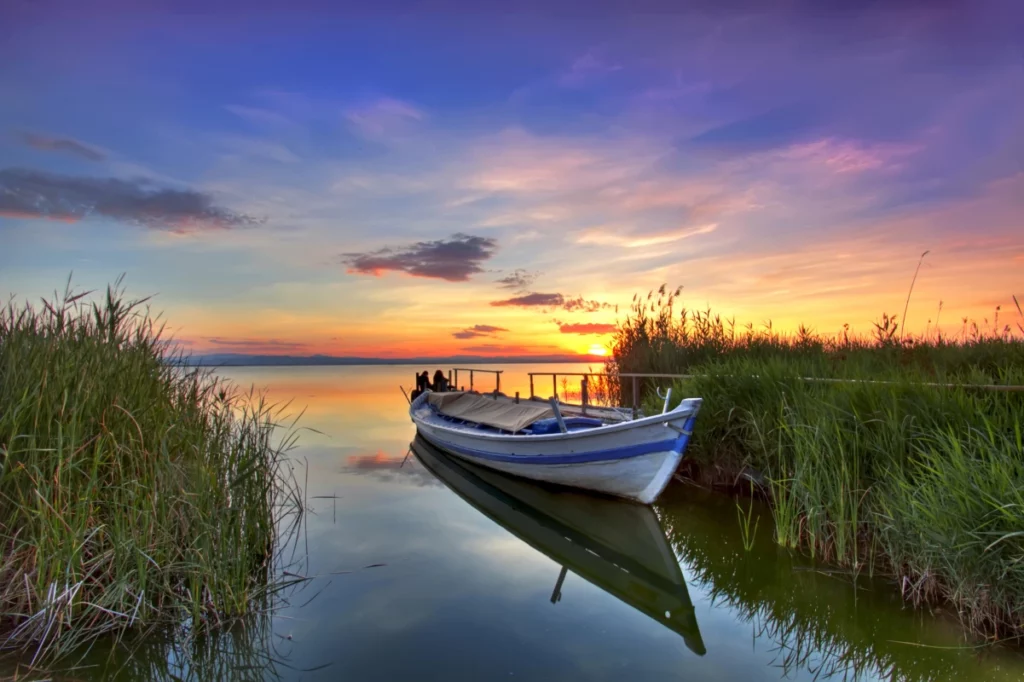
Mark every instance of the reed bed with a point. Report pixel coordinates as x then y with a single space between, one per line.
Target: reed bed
134 492
889 454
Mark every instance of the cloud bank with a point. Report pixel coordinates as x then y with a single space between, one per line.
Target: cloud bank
36 194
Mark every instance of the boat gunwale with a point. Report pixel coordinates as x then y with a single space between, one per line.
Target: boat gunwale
687 408
676 444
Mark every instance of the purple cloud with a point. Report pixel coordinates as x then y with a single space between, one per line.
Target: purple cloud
580 304
518 280
530 300
536 300
454 259
35 194
477 331
62 144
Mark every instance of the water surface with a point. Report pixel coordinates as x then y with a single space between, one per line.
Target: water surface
419 577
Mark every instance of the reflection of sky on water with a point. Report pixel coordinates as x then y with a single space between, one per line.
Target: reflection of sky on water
410 581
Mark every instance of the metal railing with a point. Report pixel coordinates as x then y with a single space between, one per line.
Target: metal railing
455 384
585 384
637 376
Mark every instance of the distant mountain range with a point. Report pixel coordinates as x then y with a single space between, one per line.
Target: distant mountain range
244 360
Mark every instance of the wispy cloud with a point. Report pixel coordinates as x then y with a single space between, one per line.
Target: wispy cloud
35 194
248 344
515 161
587 328
514 349
518 280
478 330
66 145
454 259
583 305
383 118
617 238
839 156
253 147
258 115
539 300
532 300
588 67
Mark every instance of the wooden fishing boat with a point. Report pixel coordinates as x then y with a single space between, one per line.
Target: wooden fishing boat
618 546
598 449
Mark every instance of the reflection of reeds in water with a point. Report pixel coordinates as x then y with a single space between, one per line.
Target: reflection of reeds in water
247 650
826 623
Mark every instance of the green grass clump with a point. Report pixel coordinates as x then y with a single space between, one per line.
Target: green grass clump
881 453
134 491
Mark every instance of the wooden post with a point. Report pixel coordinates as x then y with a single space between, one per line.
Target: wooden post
517 397
584 394
531 387
456 384
451 386
636 396
558 415
554 384
497 385
471 380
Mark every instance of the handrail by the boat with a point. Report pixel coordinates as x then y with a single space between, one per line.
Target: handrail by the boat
471 370
654 375
635 376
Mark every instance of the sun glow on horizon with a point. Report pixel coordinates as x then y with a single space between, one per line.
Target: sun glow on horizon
598 349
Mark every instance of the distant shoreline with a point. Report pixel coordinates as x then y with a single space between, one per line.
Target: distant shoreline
226 360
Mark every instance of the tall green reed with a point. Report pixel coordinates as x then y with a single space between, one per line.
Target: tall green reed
134 491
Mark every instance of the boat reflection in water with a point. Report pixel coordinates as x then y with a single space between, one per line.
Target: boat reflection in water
617 545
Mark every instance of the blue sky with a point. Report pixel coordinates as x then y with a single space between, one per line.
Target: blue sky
249 163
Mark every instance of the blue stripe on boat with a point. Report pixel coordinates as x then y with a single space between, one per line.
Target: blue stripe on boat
625 452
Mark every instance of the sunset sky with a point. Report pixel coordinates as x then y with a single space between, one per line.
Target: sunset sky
436 178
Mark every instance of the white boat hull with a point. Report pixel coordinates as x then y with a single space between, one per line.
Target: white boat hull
634 459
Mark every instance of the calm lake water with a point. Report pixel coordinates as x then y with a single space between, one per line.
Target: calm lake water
461 576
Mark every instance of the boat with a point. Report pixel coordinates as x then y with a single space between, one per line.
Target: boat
597 449
616 545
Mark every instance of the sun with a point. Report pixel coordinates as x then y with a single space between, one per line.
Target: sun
598 349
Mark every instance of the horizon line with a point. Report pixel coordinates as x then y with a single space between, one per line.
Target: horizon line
254 359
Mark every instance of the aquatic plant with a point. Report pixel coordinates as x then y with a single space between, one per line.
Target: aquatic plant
892 453
134 491
744 518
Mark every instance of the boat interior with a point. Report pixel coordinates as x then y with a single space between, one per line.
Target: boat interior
497 412
501 414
